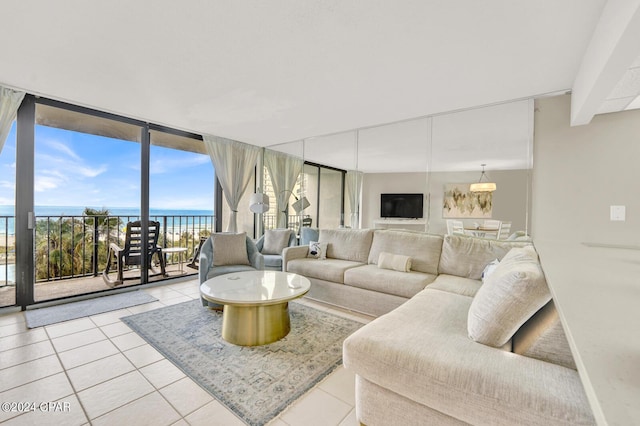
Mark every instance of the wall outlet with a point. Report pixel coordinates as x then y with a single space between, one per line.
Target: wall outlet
618 213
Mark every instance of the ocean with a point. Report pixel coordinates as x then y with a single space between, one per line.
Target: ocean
7 226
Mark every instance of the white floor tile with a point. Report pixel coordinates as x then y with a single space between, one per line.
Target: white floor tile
21 339
75 340
162 373
12 318
109 317
25 353
99 371
175 300
12 328
66 411
186 396
107 396
150 410
69 327
29 371
128 341
317 408
143 355
341 384
52 388
115 329
213 414
350 420
87 353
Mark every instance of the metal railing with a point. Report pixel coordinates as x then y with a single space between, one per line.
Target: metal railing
77 246
270 221
7 252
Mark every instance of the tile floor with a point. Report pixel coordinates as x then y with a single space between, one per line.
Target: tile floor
95 370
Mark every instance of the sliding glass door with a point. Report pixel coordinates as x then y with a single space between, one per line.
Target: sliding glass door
7 220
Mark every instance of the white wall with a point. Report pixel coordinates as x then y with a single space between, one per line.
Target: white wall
509 200
580 171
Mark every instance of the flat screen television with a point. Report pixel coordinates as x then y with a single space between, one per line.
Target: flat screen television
408 206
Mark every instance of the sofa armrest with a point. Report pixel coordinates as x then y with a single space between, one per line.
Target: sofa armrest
205 260
295 252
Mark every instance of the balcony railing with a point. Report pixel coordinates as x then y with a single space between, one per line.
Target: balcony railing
270 221
76 246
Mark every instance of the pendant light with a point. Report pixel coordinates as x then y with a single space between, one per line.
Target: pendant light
481 186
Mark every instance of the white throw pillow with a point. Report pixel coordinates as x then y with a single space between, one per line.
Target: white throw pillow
229 249
275 240
488 270
317 250
509 297
396 262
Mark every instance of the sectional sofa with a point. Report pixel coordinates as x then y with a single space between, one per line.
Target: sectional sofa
448 346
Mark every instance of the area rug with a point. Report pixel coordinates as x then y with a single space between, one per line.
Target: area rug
256 383
68 311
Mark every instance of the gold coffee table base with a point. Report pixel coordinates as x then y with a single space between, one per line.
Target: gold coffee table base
255 325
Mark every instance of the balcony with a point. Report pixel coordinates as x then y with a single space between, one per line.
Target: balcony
71 252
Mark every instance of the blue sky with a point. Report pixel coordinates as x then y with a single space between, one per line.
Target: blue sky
77 169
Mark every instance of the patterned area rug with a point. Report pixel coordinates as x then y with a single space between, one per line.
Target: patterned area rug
256 383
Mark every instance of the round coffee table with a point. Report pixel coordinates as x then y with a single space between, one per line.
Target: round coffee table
256 304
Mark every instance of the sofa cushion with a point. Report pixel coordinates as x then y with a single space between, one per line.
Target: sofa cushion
328 269
347 244
370 277
543 338
455 284
468 256
229 249
509 297
317 250
423 248
396 262
421 351
275 240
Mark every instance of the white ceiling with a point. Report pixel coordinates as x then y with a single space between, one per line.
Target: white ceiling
274 72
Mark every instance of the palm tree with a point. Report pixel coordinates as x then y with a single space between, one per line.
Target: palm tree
101 229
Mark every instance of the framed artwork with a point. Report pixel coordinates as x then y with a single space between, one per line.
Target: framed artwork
460 203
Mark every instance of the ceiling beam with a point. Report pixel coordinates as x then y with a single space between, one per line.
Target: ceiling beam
613 48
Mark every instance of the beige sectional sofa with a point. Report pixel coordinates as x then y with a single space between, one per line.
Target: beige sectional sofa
446 348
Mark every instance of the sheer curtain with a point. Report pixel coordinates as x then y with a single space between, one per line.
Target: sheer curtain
284 170
9 102
234 162
353 183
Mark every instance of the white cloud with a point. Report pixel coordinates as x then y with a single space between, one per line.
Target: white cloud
7 184
61 147
166 164
91 172
46 183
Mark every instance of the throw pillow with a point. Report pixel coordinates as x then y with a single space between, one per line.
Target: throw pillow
229 249
397 262
275 240
317 250
488 270
509 297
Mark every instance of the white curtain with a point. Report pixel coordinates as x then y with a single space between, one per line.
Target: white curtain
284 170
10 100
353 184
234 162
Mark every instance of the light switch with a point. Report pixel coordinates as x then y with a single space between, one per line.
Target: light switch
618 213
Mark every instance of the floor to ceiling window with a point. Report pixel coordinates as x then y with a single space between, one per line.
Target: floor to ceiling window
86 190
7 222
181 197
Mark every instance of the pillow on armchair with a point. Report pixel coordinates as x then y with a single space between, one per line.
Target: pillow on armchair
276 240
229 249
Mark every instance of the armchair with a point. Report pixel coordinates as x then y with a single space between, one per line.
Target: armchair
276 241
224 253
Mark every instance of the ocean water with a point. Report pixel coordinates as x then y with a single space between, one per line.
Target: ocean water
7 225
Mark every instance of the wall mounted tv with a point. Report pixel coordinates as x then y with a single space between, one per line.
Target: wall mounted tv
408 206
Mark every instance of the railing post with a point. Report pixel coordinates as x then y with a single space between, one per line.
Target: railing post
95 246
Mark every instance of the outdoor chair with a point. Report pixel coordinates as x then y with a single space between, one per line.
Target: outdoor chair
194 261
131 253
